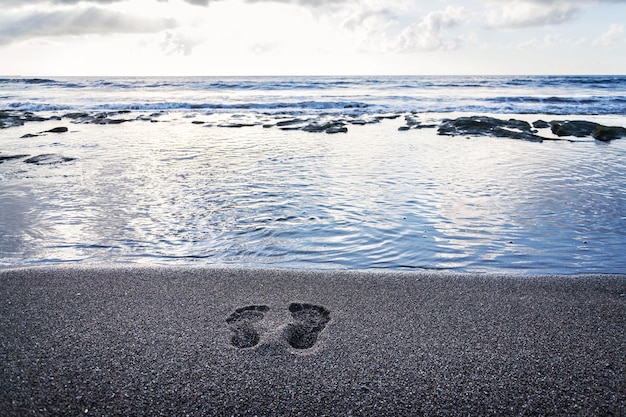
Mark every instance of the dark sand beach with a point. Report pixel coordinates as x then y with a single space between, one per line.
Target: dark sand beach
172 341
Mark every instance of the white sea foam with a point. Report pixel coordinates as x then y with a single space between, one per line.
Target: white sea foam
527 95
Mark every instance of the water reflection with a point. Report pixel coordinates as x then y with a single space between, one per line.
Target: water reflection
372 198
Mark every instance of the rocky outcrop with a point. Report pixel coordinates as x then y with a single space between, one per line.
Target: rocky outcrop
48 159
61 129
583 128
608 133
330 127
541 124
577 128
10 119
100 118
488 126
4 158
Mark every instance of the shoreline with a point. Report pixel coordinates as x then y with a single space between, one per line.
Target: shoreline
159 340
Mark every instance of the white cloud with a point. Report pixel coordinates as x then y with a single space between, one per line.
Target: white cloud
521 13
431 33
178 43
613 36
22 25
550 40
529 13
20 3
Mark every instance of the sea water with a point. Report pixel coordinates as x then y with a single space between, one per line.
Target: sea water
202 174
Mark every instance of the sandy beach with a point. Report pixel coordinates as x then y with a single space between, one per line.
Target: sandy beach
197 341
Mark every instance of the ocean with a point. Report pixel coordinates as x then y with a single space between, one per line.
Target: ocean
424 173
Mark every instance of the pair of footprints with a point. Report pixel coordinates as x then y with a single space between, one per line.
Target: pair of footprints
309 321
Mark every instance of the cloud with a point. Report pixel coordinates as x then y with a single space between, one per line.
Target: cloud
178 43
527 13
308 3
613 36
430 33
13 3
19 26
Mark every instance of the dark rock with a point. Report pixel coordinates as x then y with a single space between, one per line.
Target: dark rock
10 120
9 157
33 118
76 115
61 129
411 121
387 117
337 129
608 133
316 127
197 122
290 122
329 127
488 126
541 124
578 128
236 125
29 135
116 121
48 159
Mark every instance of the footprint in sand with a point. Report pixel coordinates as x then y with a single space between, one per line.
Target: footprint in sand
310 320
242 325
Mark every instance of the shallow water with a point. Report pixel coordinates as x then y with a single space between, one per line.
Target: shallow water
175 192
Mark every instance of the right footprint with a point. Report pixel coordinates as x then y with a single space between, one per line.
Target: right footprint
310 321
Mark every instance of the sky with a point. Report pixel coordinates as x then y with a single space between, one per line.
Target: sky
311 37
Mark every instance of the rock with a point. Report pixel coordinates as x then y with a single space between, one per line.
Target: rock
290 122
337 129
48 159
9 157
608 133
541 124
10 119
197 122
29 135
488 126
76 115
411 121
578 128
329 127
582 128
116 121
382 117
61 129
30 117
236 125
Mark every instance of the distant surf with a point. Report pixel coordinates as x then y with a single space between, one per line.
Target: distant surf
557 95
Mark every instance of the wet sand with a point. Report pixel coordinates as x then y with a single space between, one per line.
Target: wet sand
193 341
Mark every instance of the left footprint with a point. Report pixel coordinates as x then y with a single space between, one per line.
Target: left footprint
242 325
